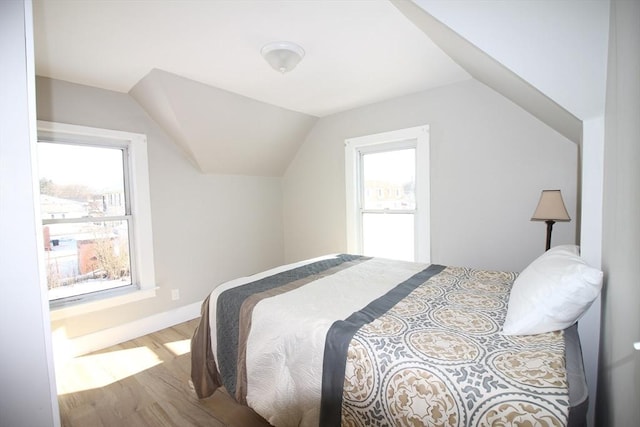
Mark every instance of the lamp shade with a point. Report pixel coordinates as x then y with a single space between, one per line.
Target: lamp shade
551 207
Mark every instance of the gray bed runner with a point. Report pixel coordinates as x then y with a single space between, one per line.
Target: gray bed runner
229 306
340 335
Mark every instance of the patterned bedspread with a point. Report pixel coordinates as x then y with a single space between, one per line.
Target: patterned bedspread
437 358
422 348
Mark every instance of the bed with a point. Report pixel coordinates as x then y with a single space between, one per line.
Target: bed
353 340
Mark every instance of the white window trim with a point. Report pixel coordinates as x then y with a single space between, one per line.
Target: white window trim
368 143
145 283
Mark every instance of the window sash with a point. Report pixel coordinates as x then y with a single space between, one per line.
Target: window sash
377 149
395 239
383 147
86 141
93 262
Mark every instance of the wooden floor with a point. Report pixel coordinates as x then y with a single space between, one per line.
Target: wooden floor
143 382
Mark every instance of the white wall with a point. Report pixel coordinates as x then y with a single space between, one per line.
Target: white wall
591 166
206 228
28 395
490 160
619 374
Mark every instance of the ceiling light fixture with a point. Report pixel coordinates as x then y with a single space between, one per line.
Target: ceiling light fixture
282 56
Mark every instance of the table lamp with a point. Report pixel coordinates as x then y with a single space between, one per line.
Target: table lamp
550 209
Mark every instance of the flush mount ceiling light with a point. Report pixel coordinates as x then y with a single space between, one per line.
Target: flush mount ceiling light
282 56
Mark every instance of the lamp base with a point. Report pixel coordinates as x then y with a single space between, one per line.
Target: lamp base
549 229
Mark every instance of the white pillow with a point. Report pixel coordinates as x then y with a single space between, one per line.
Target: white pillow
552 293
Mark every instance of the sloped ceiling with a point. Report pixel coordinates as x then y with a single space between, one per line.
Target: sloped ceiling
493 73
220 131
357 52
559 47
195 65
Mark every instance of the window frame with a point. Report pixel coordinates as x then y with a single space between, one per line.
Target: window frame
415 137
134 147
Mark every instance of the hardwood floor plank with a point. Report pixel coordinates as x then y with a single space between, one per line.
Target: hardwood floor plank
85 415
144 383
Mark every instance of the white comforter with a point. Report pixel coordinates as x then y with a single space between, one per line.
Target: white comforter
285 350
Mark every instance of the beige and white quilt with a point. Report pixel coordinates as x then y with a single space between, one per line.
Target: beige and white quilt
366 341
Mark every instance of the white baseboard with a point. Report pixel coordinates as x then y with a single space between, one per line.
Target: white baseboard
71 347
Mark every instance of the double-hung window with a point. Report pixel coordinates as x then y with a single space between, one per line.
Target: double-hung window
387 178
96 223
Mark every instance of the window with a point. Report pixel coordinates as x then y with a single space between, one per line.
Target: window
96 222
388 194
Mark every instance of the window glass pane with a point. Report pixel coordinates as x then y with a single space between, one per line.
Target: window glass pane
388 235
80 181
389 179
86 257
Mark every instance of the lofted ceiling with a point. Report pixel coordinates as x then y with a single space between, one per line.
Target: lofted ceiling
357 52
195 67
